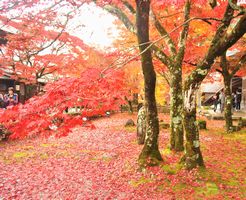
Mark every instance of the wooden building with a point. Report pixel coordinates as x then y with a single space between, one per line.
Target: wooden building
24 91
238 82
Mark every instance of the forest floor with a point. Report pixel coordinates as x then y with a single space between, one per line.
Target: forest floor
101 164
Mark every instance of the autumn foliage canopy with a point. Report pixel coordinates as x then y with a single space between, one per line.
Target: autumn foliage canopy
45 114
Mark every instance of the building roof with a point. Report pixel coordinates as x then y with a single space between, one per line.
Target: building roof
211 87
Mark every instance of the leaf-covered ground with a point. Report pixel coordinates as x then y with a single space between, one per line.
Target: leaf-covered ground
101 164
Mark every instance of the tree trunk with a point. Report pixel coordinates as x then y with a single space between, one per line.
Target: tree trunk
130 110
228 97
177 135
150 154
141 125
193 156
228 103
220 43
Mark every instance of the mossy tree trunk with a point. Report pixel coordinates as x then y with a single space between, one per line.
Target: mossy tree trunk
150 154
227 74
176 110
228 103
193 156
228 96
221 42
177 135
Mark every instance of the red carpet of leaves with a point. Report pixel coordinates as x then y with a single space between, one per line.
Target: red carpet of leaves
101 164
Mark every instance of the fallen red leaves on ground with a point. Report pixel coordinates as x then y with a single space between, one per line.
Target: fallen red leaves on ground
101 164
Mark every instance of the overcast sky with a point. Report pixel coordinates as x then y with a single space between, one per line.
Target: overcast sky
94 26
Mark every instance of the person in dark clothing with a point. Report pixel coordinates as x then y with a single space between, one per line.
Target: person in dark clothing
234 100
11 99
216 101
238 100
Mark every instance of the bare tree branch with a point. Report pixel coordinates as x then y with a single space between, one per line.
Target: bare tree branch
55 39
171 15
184 34
241 62
163 32
130 26
122 16
129 6
165 76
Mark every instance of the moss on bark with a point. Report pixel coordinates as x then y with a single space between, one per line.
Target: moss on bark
193 156
228 105
150 154
176 110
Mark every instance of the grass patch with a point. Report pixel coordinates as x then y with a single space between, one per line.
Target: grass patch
86 151
130 129
106 159
28 147
209 175
160 188
142 180
210 190
134 142
179 187
20 155
47 145
166 151
62 154
171 169
128 166
232 182
239 136
44 156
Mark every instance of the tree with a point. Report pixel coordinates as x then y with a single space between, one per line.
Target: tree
44 114
172 61
133 84
228 71
169 43
222 40
172 56
150 154
33 52
24 53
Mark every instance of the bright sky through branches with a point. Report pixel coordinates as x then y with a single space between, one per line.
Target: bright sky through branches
94 26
